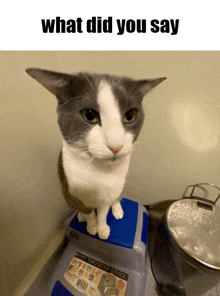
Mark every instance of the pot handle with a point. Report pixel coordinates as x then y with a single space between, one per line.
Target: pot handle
200 186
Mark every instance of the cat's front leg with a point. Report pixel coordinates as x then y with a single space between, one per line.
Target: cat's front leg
117 210
91 221
103 228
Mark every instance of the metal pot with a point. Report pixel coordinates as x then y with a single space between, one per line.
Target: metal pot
185 256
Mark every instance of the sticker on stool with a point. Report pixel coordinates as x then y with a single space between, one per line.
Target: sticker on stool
93 278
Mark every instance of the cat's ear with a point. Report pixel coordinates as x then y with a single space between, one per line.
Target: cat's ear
52 81
144 86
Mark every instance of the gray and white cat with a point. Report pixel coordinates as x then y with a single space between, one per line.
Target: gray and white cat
100 117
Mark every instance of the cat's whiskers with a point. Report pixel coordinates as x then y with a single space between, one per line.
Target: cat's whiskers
66 102
83 150
71 99
96 152
88 82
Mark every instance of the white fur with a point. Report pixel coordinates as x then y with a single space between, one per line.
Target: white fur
91 221
112 128
96 175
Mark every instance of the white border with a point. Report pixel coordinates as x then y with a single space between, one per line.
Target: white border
199 26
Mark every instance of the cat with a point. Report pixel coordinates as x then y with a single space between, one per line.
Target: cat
100 117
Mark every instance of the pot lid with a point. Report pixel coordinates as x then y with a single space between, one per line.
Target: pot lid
195 226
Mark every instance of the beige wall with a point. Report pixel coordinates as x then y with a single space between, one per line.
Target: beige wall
179 144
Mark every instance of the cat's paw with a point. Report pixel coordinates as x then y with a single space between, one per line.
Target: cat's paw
81 217
92 228
117 211
104 232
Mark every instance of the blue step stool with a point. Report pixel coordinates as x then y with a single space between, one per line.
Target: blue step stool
116 266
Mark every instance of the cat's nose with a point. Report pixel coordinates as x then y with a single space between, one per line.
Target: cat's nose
115 150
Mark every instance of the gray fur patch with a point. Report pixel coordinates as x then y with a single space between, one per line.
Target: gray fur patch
83 95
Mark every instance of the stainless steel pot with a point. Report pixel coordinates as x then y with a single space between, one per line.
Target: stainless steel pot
185 257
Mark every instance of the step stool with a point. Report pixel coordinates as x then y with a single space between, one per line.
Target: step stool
116 266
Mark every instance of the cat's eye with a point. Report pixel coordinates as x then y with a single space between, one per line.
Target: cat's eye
130 116
90 115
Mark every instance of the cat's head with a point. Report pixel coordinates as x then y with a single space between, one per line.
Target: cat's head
101 115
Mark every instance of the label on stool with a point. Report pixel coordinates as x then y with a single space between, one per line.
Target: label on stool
93 278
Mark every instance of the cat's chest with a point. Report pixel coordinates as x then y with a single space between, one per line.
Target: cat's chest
105 177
